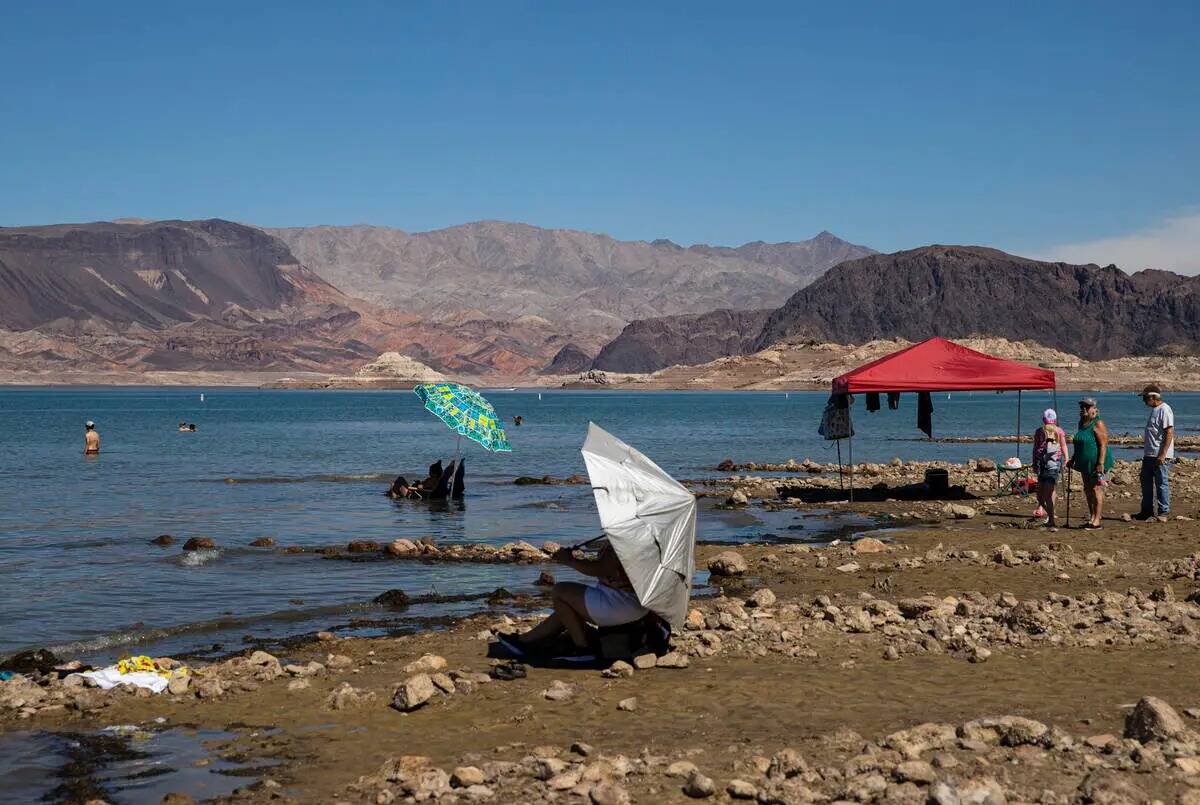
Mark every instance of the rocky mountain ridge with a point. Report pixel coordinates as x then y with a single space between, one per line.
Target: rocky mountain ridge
586 285
953 291
167 295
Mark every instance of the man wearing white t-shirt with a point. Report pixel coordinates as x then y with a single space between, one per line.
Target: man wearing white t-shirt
1159 443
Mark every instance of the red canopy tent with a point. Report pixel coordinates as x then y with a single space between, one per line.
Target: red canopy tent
937 364
940 365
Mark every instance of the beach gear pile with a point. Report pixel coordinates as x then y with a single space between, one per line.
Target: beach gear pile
140 671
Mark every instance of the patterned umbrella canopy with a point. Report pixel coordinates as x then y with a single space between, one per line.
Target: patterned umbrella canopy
465 412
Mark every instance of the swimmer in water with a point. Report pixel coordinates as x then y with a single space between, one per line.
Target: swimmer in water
91 439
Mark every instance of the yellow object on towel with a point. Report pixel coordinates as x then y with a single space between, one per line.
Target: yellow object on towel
143 664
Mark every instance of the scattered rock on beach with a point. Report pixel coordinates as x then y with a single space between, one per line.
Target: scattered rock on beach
413 692
1152 719
618 670
263 542
673 659
544 579
644 662
163 540
761 598
699 786
466 776
345 696
559 691
740 789
869 545
199 544
728 563
426 664
362 546
958 511
628 705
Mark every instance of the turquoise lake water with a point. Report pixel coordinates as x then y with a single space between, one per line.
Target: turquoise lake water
310 469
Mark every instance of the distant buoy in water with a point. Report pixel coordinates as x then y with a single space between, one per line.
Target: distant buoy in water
201 396
539 395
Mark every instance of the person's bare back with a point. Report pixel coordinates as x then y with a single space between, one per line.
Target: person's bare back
91 440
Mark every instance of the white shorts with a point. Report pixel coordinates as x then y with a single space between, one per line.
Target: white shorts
608 606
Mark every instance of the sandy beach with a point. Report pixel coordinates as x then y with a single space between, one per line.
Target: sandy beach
962 655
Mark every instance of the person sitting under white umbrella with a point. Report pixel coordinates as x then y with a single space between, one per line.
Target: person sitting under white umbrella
611 602
646 565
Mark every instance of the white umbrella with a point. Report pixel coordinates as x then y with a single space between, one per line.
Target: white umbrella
649 519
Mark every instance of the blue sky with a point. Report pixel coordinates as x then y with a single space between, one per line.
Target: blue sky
1034 127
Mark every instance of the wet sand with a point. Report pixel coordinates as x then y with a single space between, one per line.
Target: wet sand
1072 649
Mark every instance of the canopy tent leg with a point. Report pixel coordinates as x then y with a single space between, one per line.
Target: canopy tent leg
841 470
851 447
1018 424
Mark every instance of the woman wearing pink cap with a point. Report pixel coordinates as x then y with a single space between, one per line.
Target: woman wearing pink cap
1049 457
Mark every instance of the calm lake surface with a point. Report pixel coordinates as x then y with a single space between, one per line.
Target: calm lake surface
78 574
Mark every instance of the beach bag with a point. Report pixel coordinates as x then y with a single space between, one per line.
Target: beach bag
835 420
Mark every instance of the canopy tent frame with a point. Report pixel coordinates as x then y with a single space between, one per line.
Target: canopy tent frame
936 365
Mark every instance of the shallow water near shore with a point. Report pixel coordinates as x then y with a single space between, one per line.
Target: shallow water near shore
120 764
309 470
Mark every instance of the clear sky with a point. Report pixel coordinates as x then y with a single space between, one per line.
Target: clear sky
1035 127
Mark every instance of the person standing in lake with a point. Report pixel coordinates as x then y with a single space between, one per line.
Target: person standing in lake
1159 448
91 439
1049 456
1091 458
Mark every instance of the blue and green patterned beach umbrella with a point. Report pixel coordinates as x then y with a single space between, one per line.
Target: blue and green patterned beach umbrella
465 412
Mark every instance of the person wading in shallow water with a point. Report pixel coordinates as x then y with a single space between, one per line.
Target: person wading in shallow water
91 439
1091 458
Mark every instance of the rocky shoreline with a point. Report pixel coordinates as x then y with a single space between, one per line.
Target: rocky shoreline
967 656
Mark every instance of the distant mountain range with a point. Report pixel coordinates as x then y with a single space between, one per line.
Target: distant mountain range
952 291
481 298
587 285
166 295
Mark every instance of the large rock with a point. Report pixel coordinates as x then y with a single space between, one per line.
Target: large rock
728 563
1153 719
413 693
